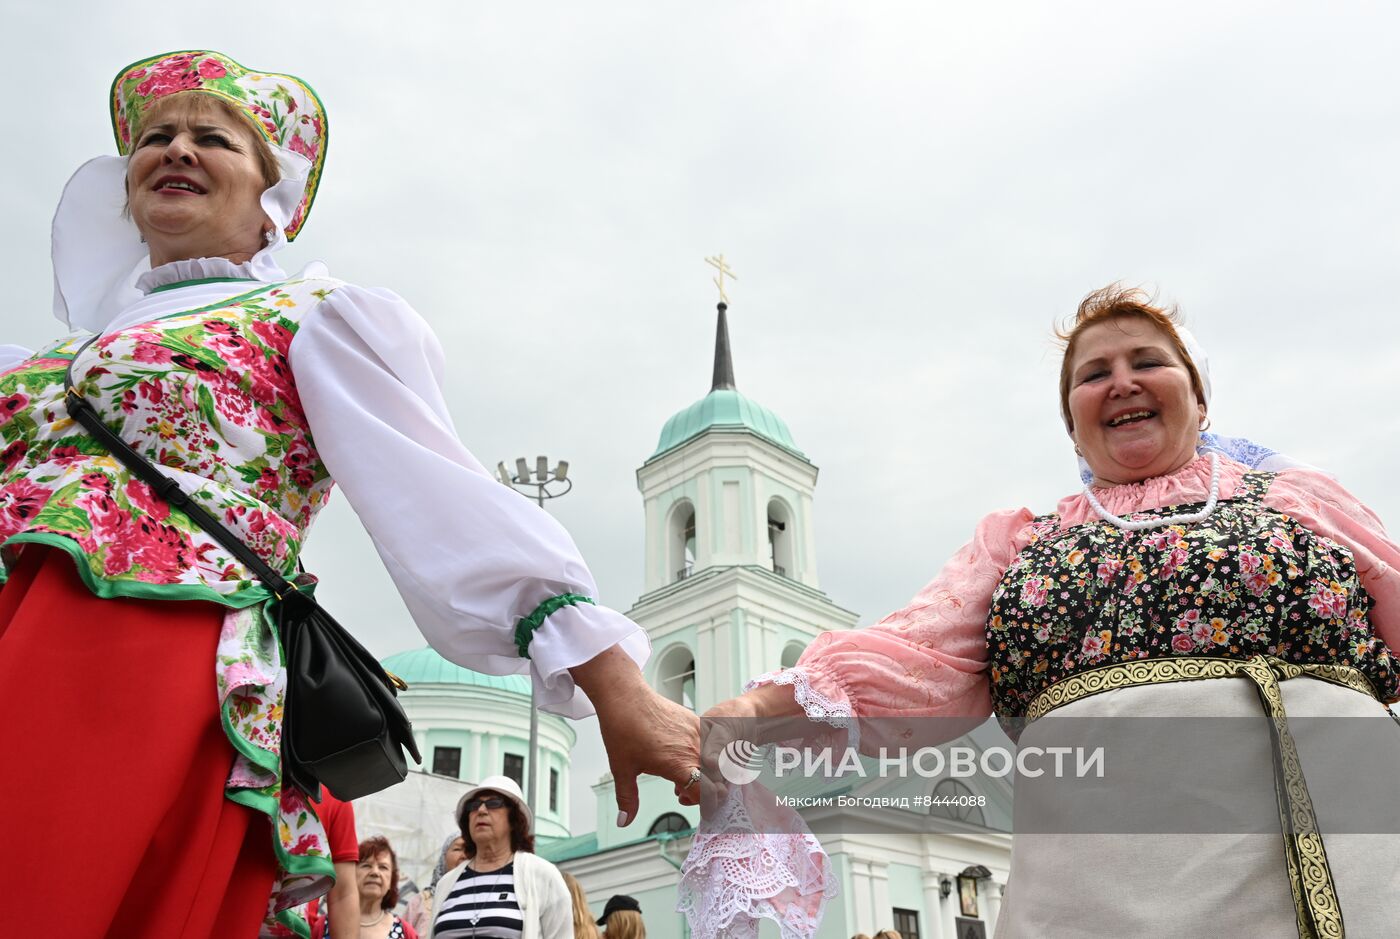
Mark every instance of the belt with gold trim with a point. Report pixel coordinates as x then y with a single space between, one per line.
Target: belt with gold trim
1314 893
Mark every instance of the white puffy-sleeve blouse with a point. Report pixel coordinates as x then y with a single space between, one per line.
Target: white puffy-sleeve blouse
470 556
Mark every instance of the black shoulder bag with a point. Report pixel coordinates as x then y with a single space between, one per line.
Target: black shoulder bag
342 724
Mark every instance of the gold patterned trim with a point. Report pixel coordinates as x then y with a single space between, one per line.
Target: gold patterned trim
1319 914
1179 668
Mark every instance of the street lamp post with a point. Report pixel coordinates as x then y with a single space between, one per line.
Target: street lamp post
547 484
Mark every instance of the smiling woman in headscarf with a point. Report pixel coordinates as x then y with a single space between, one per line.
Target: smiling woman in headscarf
1179 582
128 635
1242 450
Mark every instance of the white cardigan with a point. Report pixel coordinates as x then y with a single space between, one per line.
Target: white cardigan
545 904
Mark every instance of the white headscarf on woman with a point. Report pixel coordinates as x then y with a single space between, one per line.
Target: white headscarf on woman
98 254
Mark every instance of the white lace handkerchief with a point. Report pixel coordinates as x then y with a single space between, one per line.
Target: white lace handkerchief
754 859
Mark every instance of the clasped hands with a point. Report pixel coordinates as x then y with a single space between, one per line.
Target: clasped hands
644 732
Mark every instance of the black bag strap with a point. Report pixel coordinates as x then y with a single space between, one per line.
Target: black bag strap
82 411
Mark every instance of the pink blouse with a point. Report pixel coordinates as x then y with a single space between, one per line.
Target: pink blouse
929 659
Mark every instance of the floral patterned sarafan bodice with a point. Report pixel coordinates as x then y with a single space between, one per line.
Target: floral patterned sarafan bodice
1248 580
208 396
205 394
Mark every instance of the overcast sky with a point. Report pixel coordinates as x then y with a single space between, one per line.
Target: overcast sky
910 193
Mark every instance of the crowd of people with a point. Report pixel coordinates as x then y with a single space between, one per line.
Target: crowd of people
1193 574
487 884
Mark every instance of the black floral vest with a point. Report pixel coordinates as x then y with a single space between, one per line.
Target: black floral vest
1249 580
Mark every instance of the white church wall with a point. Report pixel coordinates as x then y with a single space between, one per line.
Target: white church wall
655 798
486 724
808 539
906 892
737 621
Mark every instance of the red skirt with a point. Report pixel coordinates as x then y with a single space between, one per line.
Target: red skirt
112 786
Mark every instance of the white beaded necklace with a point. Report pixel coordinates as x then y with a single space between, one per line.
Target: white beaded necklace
1144 524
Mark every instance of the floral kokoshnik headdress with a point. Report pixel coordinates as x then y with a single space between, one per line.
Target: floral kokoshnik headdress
282 107
98 255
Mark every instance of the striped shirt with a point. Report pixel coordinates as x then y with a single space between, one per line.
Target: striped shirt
481 906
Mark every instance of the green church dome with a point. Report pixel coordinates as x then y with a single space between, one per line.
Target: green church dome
725 408
425 666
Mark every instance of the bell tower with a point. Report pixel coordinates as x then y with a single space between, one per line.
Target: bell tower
731 570
731 592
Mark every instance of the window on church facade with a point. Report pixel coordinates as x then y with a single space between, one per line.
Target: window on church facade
671 821
515 768
906 923
675 676
780 538
681 550
554 790
447 761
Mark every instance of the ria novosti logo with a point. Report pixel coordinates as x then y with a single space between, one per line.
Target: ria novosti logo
740 762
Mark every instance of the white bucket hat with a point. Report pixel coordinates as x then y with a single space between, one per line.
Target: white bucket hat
506 787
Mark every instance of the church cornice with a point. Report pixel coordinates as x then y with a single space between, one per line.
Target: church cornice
457 709
722 588
937 852
723 447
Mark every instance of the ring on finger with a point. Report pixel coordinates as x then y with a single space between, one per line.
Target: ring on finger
695 775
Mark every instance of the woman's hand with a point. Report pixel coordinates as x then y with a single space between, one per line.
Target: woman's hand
762 702
764 715
642 731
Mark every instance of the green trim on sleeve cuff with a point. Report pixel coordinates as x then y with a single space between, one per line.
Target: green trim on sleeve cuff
525 629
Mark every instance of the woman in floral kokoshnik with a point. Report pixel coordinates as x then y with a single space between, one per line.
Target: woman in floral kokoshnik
131 639
1180 581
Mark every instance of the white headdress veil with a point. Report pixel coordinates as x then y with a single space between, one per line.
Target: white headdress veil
97 250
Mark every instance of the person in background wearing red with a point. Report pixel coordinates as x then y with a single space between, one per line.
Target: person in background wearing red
333 916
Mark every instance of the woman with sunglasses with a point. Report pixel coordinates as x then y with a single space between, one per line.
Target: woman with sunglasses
503 890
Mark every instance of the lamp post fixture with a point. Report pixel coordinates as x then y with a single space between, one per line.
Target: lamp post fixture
544 478
547 484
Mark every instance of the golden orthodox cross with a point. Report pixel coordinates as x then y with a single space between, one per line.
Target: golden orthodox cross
719 264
